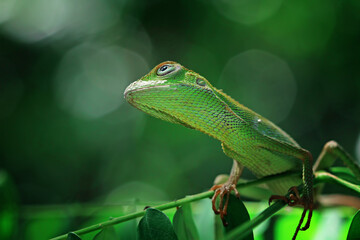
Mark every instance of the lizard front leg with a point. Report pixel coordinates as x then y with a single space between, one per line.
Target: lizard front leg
225 189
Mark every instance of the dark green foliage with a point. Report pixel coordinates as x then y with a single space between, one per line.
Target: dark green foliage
184 224
354 231
237 214
72 236
155 225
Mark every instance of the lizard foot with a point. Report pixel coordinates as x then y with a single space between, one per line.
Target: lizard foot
295 199
221 190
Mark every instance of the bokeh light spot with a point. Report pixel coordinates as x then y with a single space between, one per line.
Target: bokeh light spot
32 21
247 12
261 81
91 80
6 9
299 32
35 20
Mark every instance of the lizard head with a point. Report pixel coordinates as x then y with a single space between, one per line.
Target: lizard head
175 94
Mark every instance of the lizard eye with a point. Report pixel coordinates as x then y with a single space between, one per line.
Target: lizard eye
165 69
200 82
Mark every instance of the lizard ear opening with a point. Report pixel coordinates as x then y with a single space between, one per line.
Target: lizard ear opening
200 82
165 69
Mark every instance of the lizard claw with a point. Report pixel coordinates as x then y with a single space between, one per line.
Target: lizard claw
277 197
295 199
222 190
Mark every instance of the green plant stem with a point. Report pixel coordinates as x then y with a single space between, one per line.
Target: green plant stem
323 176
173 204
238 233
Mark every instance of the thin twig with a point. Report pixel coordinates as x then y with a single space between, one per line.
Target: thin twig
323 176
173 204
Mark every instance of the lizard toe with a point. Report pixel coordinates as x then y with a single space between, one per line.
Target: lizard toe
223 192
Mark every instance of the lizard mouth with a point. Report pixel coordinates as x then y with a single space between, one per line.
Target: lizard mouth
129 90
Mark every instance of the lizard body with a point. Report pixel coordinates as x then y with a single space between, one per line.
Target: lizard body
186 98
178 95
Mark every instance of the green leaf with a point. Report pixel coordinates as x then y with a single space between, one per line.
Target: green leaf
354 230
237 215
204 218
107 233
72 236
155 225
219 232
184 224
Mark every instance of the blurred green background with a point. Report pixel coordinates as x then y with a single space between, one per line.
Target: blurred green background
68 136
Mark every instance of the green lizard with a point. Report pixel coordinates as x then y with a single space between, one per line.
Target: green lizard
178 95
